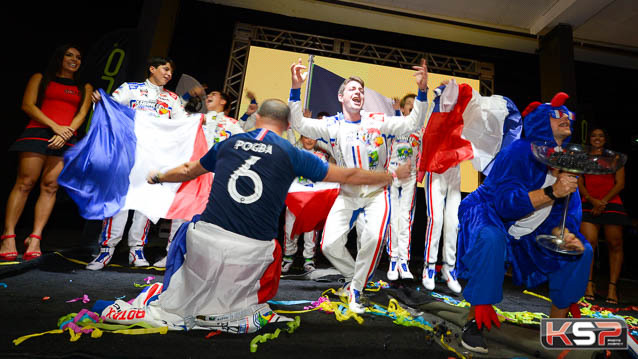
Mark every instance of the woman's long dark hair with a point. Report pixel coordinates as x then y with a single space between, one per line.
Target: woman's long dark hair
607 140
52 69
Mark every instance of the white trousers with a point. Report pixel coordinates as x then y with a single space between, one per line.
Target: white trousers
175 224
290 243
442 196
113 230
343 215
403 198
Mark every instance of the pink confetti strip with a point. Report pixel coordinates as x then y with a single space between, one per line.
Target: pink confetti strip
149 279
316 303
85 299
76 328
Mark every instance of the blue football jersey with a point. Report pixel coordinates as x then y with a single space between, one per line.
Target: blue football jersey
253 172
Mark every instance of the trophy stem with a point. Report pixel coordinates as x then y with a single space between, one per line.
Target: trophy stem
562 228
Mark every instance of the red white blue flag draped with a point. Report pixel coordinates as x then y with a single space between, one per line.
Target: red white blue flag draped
106 171
464 125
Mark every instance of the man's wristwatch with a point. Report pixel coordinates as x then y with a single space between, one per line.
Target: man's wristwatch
549 192
156 178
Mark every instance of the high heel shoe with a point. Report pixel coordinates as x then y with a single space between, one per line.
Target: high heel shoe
27 256
610 300
591 297
8 256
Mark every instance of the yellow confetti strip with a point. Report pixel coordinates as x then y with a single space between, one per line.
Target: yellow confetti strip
77 261
536 295
98 329
23 338
272 336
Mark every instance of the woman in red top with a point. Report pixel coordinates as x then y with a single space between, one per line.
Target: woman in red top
56 104
603 207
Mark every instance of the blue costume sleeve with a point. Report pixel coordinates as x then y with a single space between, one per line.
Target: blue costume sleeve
96 170
511 200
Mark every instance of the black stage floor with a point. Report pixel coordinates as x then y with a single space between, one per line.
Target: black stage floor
23 311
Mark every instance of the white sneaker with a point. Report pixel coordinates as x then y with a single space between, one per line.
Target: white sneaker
103 258
450 277
393 272
404 270
286 264
354 301
429 272
160 263
136 257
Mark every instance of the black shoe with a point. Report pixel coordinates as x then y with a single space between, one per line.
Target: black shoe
472 339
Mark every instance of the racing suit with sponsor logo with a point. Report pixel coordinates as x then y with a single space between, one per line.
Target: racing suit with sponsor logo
362 144
218 127
141 96
402 192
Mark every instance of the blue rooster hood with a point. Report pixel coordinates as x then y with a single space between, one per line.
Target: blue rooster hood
536 118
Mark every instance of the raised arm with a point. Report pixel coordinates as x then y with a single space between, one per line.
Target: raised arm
416 119
312 128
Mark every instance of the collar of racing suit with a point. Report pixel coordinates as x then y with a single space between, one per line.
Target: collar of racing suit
154 87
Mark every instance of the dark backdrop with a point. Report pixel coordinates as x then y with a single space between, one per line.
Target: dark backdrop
201 47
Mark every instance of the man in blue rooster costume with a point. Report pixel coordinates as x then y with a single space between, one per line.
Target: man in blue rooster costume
520 199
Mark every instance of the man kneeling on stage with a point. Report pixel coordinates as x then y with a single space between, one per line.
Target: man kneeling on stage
520 199
227 266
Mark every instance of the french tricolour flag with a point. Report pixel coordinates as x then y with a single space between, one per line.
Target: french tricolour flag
310 204
465 125
106 171
322 94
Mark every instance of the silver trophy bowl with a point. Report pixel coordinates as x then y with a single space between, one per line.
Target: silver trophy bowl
576 159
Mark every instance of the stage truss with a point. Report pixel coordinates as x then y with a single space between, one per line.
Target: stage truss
247 35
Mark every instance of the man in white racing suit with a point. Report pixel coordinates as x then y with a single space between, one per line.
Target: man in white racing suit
404 148
358 140
149 96
217 126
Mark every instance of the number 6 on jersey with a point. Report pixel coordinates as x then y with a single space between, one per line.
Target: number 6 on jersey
244 170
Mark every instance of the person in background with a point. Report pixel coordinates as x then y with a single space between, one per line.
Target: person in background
217 125
602 207
150 96
403 149
247 120
310 238
56 103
